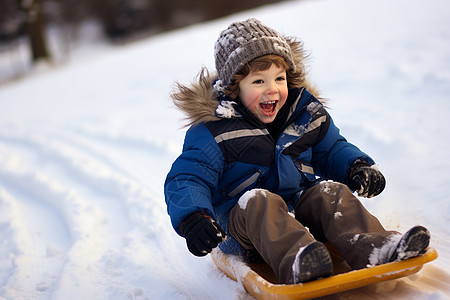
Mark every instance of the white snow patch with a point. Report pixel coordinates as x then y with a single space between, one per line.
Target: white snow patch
382 254
218 86
354 239
326 186
226 110
243 200
296 265
337 214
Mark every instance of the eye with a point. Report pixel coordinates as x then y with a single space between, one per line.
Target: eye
258 81
281 78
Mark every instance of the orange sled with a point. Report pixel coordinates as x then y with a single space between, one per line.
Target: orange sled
260 282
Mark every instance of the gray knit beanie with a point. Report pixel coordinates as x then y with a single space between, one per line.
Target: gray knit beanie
244 41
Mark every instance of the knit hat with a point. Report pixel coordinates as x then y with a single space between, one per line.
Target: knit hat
244 41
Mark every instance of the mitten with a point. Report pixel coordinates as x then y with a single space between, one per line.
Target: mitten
202 233
367 180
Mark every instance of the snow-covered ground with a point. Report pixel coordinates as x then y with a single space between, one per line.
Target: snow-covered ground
85 147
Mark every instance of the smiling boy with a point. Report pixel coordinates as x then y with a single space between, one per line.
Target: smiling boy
263 161
263 93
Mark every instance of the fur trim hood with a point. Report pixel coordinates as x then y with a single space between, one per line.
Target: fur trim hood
201 103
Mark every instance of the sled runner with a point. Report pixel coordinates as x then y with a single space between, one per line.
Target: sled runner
259 280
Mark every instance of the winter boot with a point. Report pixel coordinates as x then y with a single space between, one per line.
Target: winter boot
311 262
413 243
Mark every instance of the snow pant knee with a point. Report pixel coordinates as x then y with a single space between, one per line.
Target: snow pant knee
260 220
332 213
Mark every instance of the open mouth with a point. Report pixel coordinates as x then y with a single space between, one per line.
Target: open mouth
268 107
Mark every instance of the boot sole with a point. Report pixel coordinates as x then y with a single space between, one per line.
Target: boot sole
412 244
315 262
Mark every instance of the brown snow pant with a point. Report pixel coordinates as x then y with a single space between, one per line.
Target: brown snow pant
330 211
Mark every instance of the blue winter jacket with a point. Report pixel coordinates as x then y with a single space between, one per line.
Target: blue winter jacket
223 159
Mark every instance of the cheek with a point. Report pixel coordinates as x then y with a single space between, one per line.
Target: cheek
250 98
283 95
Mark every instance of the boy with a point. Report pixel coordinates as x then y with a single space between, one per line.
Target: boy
263 160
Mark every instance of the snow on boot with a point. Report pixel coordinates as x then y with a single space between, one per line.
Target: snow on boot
311 262
413 243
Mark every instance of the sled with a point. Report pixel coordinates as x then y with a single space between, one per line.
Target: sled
259 280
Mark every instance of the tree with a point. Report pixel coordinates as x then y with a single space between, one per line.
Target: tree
36 29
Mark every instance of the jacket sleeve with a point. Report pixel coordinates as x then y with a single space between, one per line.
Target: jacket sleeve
333 155
194 175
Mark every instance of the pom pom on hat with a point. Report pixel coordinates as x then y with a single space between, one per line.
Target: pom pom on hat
244 41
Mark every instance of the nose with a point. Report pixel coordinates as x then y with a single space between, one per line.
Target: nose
271 88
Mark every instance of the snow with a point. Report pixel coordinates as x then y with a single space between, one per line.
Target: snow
380 255
226 109
85 147
337 215
243 200
296 265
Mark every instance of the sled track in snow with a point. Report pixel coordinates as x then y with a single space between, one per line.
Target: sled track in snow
83 216
70 211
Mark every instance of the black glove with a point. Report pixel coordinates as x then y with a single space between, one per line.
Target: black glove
202 233
366 180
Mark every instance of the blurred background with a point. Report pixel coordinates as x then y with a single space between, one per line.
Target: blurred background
36 30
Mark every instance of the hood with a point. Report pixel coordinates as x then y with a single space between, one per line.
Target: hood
201 103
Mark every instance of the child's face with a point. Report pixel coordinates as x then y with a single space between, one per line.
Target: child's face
264 92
